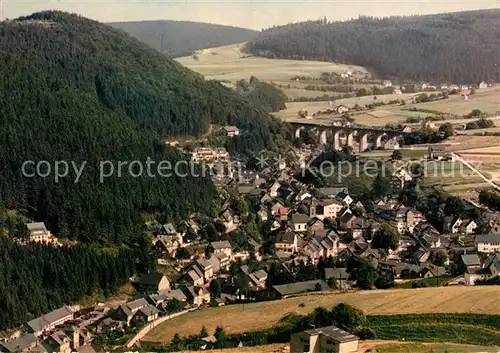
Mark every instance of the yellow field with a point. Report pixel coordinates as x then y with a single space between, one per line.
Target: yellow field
487 100
257 316
229 63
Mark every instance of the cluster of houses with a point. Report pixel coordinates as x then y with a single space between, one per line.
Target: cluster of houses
307 226
312 223
61 330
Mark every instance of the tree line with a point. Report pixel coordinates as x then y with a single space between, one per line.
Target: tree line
415 48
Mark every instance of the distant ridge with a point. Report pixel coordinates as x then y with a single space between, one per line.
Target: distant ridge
182 38
462 47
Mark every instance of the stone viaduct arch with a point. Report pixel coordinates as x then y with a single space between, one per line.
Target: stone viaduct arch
352 135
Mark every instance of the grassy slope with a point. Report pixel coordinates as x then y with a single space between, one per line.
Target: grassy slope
257 316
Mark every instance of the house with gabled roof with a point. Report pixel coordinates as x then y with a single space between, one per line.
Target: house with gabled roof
345 198
487 269
38 233
273 189
468 226
346 221
287 241
194 276
58 342
285 290
146 314
258 279
196 295
222 246
333 192
126 312
299 222
452 224
262 212
229 220
49 321
312 250
315 225
401 178
275 208
328 208
170 237
152 282
206 268
25 343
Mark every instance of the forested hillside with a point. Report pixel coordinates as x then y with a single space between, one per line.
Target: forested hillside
76 90
37 279
182 38
459 47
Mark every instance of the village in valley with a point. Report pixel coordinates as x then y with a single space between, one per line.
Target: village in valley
377 223
282 231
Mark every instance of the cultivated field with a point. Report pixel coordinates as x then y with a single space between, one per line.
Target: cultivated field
258 316
487 100
229 63
378 117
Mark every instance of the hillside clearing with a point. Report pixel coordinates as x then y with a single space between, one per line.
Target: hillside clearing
257 316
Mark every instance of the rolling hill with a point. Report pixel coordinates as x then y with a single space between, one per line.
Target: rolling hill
461 47
76 90
181 38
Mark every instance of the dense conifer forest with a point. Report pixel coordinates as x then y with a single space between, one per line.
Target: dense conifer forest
38 278
75 90
182 38
457 47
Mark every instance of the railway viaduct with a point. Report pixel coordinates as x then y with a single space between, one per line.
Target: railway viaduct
351 133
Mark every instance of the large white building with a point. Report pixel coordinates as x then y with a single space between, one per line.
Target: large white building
488 243
38 233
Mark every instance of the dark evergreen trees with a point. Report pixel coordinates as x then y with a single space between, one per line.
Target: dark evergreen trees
38 278
414 48
78 91
181 38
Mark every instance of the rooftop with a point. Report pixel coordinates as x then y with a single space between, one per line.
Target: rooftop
300 218
334 333
286 237
41 322
471 260
299 287
221 244
19 344
487 238
150 279
37 226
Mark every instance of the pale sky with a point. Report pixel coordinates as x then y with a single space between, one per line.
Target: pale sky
250 13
